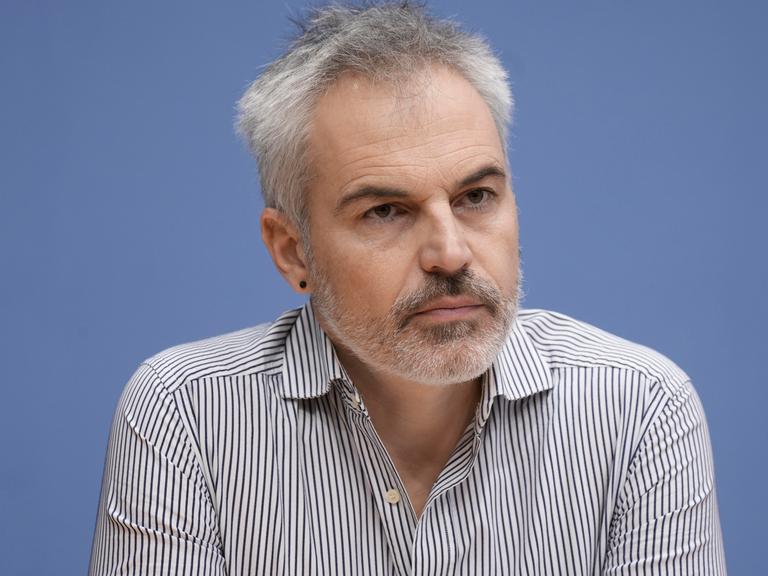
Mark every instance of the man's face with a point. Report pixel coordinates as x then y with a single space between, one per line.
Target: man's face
413 227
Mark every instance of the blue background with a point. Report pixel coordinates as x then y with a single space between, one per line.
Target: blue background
129 216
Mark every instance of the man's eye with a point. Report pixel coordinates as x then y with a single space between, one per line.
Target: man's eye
476 196
381 212
475 199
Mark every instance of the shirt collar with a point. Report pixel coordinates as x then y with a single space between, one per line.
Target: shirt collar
519 371
311 365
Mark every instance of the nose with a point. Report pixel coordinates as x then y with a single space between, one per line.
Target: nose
445 249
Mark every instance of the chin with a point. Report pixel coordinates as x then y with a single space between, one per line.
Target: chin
445 365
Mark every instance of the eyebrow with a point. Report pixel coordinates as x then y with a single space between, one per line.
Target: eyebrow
484 172
370 192
389 192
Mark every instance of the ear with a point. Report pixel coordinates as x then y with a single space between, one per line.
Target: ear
283 241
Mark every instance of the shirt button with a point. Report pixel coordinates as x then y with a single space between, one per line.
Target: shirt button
392 496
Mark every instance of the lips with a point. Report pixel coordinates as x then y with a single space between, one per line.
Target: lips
448 303
447 299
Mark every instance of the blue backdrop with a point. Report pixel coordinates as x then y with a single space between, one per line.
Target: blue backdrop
129 216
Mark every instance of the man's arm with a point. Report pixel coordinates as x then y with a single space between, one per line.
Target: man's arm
155 513
667 520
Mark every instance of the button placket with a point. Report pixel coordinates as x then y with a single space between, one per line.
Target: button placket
397 517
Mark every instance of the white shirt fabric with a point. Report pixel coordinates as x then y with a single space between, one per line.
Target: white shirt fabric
253 453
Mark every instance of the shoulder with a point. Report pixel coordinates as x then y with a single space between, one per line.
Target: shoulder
255 349
567 343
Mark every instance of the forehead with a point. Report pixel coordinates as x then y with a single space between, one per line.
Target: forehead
436 122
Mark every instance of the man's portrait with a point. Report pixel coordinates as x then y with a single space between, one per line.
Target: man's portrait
480 335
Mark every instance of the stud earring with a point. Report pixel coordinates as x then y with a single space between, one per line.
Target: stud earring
302 284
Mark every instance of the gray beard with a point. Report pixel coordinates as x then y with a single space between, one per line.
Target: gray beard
443 354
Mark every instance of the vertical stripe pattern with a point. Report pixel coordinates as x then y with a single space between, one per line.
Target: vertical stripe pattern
253 453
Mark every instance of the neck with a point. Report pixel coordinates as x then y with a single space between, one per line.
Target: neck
418 414
419 424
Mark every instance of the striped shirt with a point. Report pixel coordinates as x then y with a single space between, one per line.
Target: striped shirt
253 453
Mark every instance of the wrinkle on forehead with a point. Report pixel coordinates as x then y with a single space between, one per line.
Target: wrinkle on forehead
421 169
434 147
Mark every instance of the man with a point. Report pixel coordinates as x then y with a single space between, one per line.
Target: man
408 419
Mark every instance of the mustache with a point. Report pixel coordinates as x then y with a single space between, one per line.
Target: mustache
463 283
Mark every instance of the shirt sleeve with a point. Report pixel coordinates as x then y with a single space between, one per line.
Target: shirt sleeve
156 515
667 520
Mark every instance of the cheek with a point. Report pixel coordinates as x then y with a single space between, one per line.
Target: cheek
364 278
511 258
499 254
503 267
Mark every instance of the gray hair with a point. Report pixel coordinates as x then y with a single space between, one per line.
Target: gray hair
385 42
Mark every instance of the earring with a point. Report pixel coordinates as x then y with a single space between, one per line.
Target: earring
302 284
